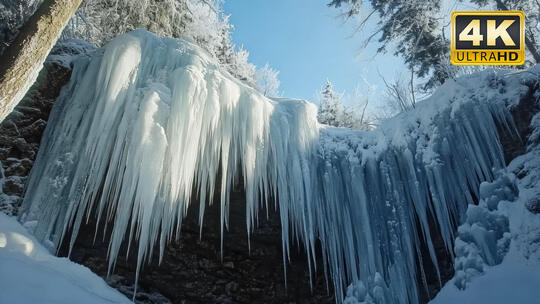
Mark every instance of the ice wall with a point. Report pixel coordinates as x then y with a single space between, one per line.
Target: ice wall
147 122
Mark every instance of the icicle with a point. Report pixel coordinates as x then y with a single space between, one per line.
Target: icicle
148 121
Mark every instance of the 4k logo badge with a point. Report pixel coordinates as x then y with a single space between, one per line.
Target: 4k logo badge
487 38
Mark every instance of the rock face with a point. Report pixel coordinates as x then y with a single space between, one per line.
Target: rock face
522 113
20 134
192 270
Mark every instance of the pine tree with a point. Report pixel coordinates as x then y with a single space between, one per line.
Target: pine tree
330 109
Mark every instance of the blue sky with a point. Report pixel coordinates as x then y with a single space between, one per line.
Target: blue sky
308 42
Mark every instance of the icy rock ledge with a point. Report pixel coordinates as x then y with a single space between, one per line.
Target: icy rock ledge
146 122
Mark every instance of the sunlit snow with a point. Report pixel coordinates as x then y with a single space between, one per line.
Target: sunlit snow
30 274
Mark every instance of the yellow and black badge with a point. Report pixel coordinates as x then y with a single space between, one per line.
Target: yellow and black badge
488 38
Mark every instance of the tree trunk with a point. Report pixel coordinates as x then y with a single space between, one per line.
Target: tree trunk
23 59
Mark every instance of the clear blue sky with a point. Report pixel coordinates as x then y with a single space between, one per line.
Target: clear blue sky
308 43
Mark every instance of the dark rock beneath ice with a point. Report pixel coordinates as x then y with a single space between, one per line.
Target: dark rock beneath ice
21 131
192 270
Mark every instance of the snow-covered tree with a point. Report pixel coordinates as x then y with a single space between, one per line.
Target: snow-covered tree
333 112
330 109
412 28
203 21
239 66
268 81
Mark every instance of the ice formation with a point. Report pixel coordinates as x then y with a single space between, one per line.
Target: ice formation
146 124
484 238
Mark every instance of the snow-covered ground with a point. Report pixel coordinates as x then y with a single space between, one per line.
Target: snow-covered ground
29 274
515 280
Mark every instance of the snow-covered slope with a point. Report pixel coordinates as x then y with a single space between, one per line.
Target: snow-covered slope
146 122
29 274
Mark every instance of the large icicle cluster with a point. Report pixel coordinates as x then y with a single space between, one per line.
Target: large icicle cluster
147 123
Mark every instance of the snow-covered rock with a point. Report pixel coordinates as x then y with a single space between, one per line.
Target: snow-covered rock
484 239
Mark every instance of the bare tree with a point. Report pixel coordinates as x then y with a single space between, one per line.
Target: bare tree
358 111
23 59
400 96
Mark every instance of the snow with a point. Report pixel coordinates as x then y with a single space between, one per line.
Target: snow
146 122
483 238
30 274
67 50
510 282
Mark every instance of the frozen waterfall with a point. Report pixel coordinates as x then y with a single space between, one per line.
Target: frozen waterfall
146 122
